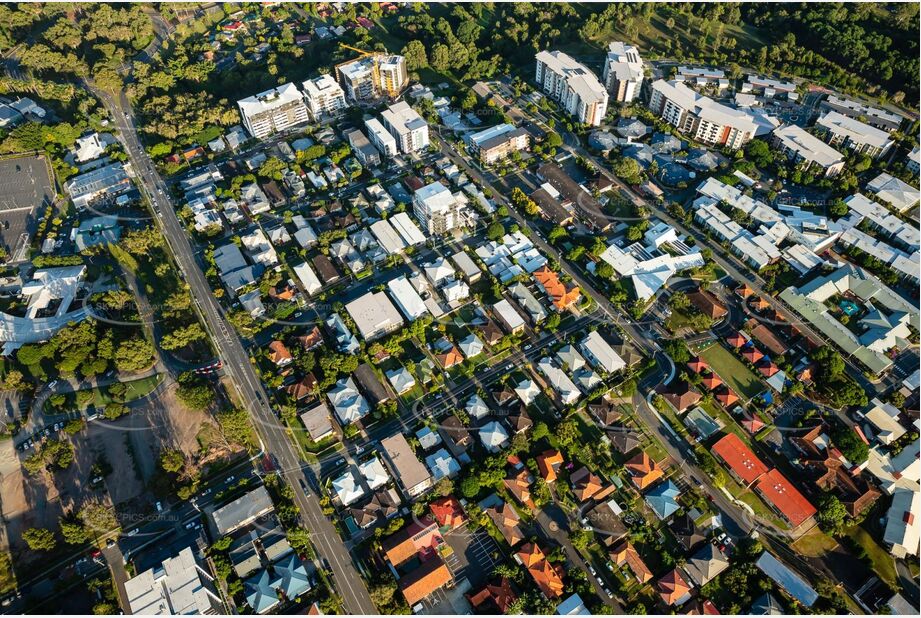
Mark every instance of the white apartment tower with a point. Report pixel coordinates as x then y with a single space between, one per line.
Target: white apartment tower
623 72
381 138
273 110
407 127
572 85
436 208
324 97
699 117
372 76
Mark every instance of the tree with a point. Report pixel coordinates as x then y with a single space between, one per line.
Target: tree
415 55
679 301
133 355
628 170
470 486
98 518
552 322
849 443
39 539
580 539
272 168
171 460
441 57
832 514
382 593
557 233
605 270
74 532
495 231
553 140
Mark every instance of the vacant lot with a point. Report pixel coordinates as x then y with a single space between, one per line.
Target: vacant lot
25 186
739 377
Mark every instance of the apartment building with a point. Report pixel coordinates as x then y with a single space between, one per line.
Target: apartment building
407 127
367 154
324 97
800 146
623 72
879 118
273 110
572 85
381 138
373 76
497 142
392 75
854 134
700 117
436 208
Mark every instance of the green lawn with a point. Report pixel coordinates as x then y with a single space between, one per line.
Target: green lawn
732 371
881 560
135 389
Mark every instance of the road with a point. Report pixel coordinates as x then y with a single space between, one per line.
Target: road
329 546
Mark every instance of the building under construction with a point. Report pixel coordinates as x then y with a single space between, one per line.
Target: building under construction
373 75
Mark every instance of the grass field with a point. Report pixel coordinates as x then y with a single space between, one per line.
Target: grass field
882 562
814 544
739 377
135 389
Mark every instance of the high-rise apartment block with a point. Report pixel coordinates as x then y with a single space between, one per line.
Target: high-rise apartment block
407 127
699 117
273 110
572 85
324 97
373 76
623 72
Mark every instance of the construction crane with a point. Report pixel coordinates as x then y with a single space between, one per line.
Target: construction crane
391 87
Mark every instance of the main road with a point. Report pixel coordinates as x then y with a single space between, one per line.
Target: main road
326 540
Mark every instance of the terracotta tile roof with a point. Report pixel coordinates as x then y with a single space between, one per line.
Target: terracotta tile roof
783 496
585 484
520 487
759 303
548 463
767 368
711 381
697 364
547 576
672 587
450 358
725 396
561 296
499 596
447 511
753 425
279 354
311 339
707 304
507 521
740 459
744 290
737 340
766 337
680 394
419 536
302 388
424 580
643 470
627 554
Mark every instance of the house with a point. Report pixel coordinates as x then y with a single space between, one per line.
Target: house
442 464
507 521
548 463
789 581
663 499
560 294
418 539
707 304
626 555
447 512
347 488
406 468
497 598
401 380
457 436
680 394
884 418
450 357
302 388
605 410
901 534
585 484
520 487
600 353
559 381
508 317
527 391
547 576
425 579
572 606
471 346
476 407
685 529
317 422
725 397
606 521
178 584
520 421
370 384
243 511
493 436
672 589
643 470
706 564
766 605
279 354
374 473
349 405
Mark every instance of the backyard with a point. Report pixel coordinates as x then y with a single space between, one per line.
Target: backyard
732 371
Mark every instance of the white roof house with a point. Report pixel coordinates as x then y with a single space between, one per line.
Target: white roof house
407 229
90 147
178 586
442 465
388 237
569 357
470 346
512 320
407 298
307 278
476 407
374 472
893 191
401 380
347 487
560 382
347 402
527 391
903 522
600 353
374 315
885 418
493 436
